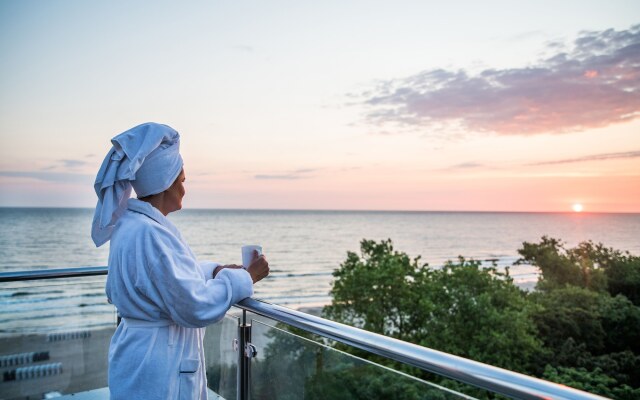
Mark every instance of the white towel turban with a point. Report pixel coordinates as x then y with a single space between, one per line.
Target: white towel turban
146 158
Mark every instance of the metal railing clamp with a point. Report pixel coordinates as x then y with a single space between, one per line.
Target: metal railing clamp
250 351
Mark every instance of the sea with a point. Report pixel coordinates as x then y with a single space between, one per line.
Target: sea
303 249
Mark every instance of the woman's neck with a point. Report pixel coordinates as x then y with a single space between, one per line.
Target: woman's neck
156 200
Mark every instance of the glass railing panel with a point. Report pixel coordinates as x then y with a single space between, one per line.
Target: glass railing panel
289 366
221 355
54 337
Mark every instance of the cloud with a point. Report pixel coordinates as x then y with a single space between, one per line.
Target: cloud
593 157
281 177
466 165
293 175
73 163
61 177
67 164
594 84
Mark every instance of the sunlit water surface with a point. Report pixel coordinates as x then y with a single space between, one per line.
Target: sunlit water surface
303 248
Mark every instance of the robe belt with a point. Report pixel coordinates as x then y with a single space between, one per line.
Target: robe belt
140 323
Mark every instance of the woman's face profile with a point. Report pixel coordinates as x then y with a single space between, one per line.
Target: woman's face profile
173 196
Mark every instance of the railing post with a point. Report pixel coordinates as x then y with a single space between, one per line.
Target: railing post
244 362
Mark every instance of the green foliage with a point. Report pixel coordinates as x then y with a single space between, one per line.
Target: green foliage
587 315
477 313
378 292
282 371
590 266
560 267
581 327
624 366
294 367
594 381
570 313
461 308
621 322
367 382
624 277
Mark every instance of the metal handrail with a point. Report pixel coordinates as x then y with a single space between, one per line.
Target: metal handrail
52 274
485 376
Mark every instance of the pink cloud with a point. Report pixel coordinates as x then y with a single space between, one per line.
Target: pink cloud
595 84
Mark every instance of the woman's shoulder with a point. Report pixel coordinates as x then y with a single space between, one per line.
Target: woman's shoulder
133 226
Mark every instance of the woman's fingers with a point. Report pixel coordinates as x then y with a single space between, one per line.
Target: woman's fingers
256 254
259 268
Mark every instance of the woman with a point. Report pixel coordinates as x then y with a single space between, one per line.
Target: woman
163 294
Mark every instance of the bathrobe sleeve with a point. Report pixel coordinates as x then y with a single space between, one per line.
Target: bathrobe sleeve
207 268
191 299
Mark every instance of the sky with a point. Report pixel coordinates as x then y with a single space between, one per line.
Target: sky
351 105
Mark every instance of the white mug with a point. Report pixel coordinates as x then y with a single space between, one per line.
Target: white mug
247 254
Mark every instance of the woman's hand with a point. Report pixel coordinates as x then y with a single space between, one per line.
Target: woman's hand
259 267
221 267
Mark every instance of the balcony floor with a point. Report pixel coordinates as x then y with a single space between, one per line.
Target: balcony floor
103 394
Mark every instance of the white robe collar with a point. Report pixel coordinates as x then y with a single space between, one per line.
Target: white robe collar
150 211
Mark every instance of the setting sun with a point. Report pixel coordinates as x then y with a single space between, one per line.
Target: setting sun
577 207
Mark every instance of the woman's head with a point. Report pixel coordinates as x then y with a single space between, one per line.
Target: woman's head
155 168
169 200
145 158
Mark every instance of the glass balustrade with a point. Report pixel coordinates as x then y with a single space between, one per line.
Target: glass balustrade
54 337
221 346
55 333
288 366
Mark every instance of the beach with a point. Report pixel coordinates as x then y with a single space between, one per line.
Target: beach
73 361
76 361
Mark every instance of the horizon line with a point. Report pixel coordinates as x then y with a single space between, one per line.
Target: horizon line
351 210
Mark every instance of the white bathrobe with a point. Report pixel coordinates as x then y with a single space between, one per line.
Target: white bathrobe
165 298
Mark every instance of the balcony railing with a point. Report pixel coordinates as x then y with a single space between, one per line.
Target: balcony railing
56 326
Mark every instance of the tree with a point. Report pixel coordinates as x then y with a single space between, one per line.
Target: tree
559 267
584 317
623 275
588 265
462 308
378 292
570 313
